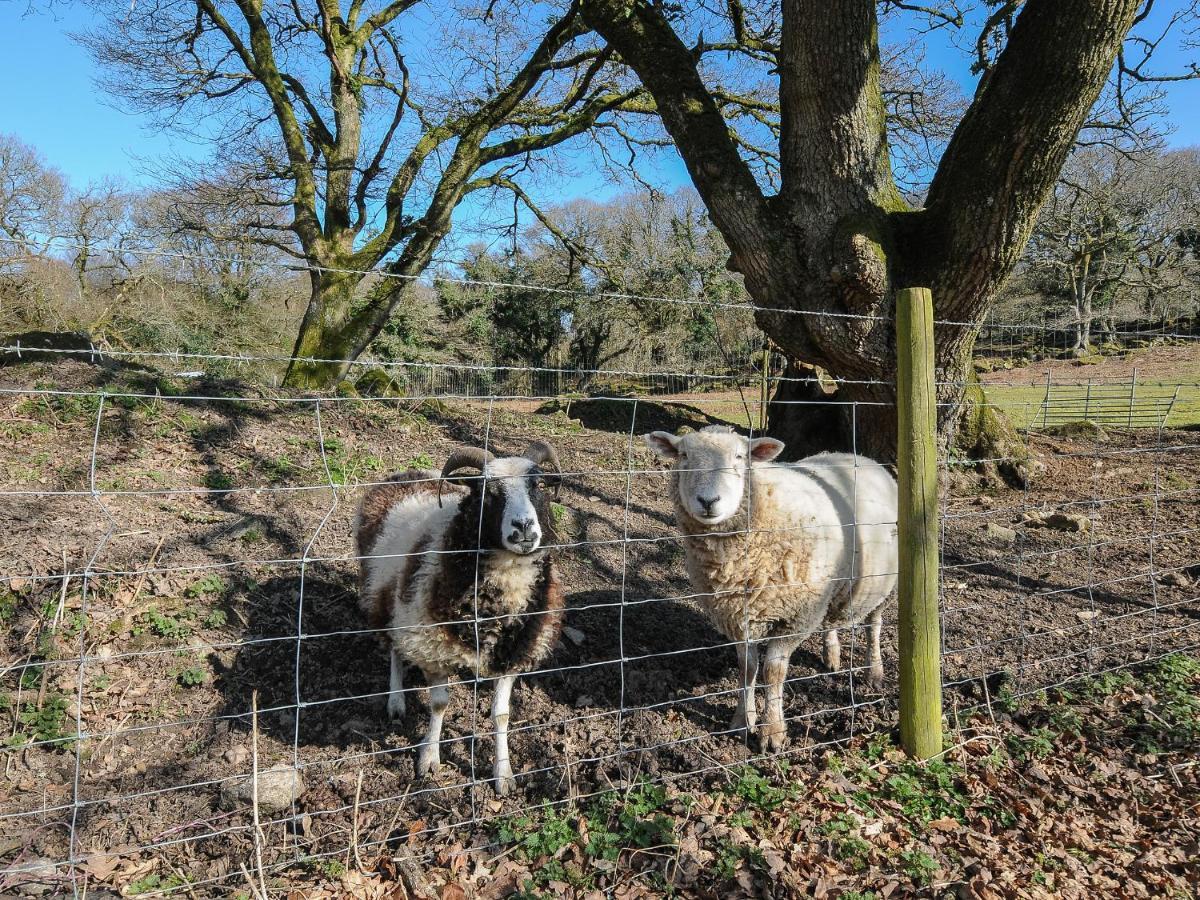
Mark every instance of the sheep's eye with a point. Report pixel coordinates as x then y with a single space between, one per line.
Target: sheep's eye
741 456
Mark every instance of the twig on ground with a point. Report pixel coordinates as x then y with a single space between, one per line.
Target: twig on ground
258 834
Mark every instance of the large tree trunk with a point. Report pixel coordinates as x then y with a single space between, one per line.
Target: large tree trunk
823 259
811 417
326 342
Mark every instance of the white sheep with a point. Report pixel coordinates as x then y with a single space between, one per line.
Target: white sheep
458 574
809 546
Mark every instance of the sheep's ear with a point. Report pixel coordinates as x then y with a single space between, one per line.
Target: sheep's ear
765 449
664 444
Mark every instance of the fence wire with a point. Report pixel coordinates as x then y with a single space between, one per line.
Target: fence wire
180 601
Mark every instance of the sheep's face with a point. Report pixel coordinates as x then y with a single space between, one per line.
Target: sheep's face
516 510
710 468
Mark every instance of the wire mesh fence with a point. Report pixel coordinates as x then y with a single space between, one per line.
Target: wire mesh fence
194 691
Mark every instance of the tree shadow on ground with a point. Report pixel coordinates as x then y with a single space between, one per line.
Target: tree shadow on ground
620 415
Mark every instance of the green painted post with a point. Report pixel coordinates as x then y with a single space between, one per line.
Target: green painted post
916 411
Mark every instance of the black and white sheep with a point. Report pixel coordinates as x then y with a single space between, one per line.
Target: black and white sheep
456 569
779 551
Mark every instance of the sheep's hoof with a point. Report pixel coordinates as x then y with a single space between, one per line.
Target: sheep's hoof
395 707
875 678
505 783
738 723
428 759
773 736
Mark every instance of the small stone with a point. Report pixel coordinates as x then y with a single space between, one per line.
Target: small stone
583 700
1176 579
300 824
593 499
574 635
1061 521
1001 534
35 877
1086 615
278 787
235 756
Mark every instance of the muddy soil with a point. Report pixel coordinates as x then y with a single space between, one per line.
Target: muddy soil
210 553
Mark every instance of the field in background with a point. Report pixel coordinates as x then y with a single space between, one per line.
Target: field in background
1160 371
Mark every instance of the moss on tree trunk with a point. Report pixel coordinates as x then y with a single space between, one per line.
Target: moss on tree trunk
985 436
329 337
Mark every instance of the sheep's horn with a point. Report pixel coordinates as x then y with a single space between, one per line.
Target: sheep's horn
542 453
464 458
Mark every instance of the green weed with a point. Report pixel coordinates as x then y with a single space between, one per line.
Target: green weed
845 842
209 584
46 724
1037 744
919 866
154 883
162 624
759 792
217 480
193 676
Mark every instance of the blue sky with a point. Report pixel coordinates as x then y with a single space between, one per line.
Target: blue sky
87 137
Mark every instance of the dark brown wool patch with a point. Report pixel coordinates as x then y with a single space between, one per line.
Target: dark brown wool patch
507 643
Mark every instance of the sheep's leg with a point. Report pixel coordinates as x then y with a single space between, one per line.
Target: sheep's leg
875 675
833 650
746 714
501 706
774 731
395 700
430 755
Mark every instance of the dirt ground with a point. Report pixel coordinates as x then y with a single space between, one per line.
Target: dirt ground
218 554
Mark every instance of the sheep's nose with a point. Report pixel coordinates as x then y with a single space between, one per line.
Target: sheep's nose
708 503
524 527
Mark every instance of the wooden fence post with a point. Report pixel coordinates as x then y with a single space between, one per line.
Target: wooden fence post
916 411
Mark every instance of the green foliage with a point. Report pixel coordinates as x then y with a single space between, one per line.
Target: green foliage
216 619
1175 723
59 408
753 787
209 584
330 868
614 822
1105 684
8 605
731 856
162 624
193 676
216 480
919 866
46 724
1038 743
845 841
154 884
279 468
927 791
537 835
348 466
